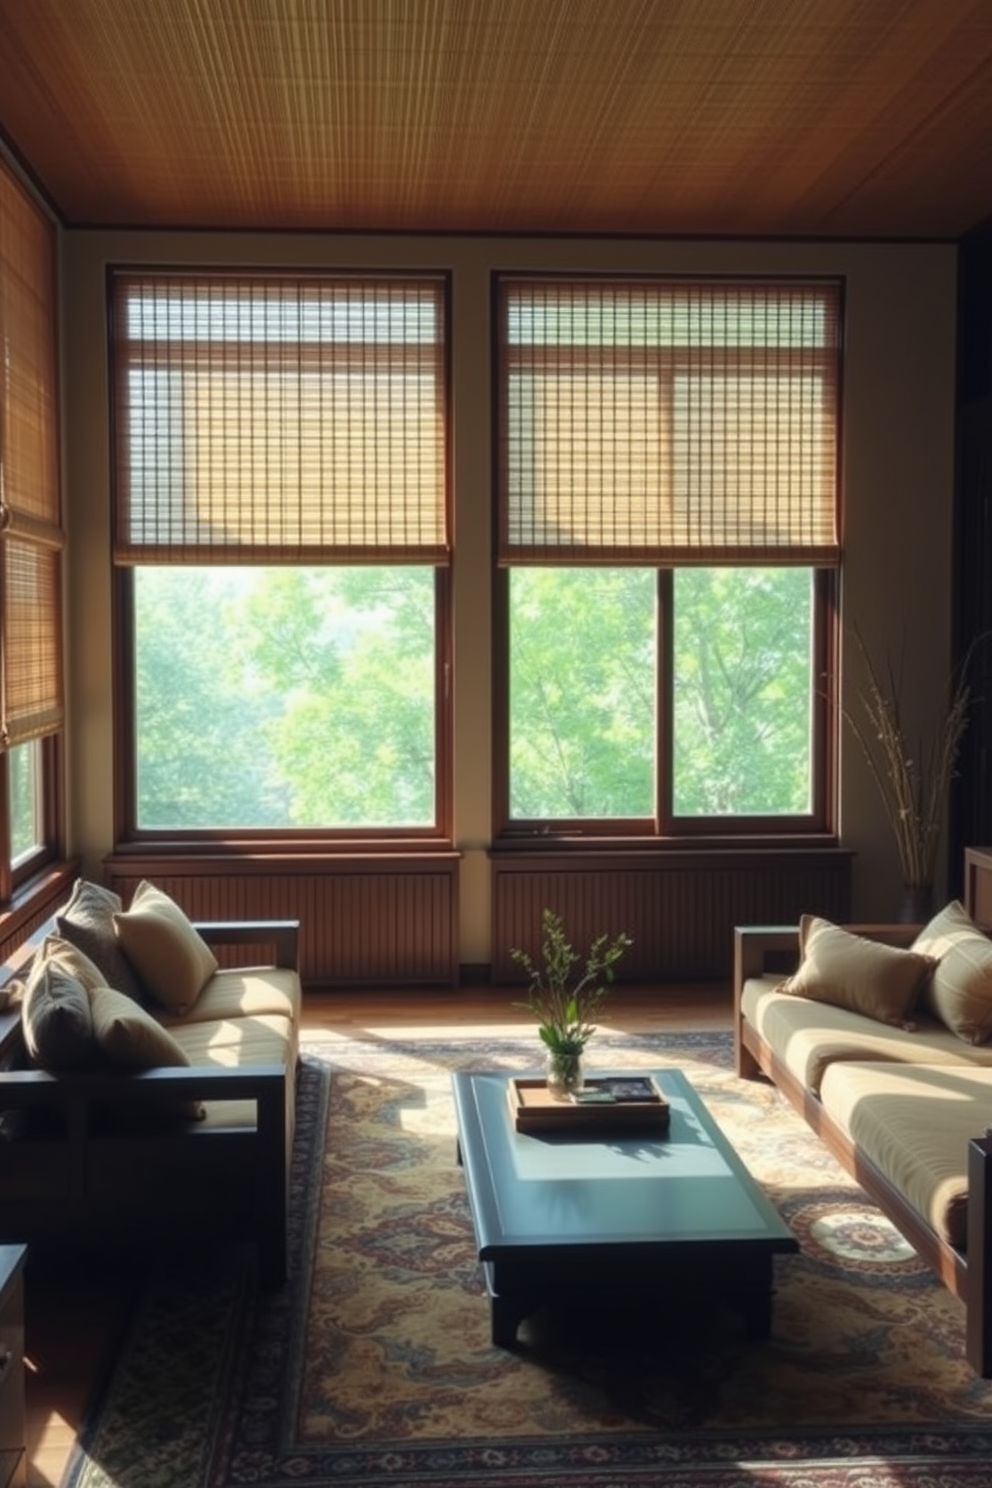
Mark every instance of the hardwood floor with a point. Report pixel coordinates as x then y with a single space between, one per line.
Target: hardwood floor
75 1313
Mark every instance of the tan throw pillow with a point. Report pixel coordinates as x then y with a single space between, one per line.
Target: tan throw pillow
58 951
128 1036
960 990
56 1020
87 920
850 971
172 959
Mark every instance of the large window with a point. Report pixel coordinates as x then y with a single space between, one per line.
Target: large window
31 542
667 547
281 534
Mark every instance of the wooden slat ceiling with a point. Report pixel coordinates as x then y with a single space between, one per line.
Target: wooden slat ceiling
828 118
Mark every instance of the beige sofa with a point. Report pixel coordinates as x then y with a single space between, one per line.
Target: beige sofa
148 1079
880 1038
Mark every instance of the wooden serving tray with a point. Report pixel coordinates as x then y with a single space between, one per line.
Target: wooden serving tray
535 1110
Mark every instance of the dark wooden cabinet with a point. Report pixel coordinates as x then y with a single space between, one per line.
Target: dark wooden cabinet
13 1463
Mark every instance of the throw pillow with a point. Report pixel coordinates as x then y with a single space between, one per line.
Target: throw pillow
853 972
168 953
128 1034
130 1038
87 920
960 990
70 959
56 1020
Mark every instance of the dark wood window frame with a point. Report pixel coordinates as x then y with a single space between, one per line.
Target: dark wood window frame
421 536
515 544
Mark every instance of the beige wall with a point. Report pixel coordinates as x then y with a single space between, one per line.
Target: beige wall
898 472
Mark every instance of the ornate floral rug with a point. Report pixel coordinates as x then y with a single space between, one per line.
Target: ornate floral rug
374 1364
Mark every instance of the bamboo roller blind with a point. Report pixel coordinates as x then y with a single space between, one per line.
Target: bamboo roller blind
32 699
276 420
668 422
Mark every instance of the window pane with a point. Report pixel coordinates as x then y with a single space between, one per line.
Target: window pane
285 697
743 692
582 693
25 783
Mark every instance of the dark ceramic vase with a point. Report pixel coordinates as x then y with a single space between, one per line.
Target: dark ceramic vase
917 904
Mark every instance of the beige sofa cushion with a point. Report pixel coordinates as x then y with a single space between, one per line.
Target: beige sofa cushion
243 992
914 1124
849 971
239 1043
960 991
170 956
809 1036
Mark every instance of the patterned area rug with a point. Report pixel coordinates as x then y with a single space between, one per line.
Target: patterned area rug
374 1364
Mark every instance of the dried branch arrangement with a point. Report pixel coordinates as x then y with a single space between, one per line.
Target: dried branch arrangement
912 782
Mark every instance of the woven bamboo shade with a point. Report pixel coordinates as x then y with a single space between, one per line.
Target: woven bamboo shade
31 539
669 422
274 420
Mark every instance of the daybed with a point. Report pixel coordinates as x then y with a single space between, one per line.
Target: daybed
879 1036
147 1092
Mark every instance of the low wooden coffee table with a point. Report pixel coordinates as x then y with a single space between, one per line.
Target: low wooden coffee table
614 1213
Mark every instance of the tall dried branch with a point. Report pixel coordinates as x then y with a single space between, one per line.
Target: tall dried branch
912 783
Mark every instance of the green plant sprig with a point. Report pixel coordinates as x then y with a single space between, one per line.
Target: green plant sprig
564 1011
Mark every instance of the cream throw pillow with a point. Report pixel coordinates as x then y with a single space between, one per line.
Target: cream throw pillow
850 971
960 990
172 959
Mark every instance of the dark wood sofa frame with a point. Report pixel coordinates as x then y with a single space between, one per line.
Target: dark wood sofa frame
967 1274
96 1170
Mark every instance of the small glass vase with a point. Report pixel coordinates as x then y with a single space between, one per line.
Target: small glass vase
564 1074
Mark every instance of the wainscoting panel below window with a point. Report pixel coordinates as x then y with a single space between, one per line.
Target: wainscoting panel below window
679 909
363 921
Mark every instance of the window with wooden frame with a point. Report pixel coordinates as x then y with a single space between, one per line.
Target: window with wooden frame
667 551
281 537
32 705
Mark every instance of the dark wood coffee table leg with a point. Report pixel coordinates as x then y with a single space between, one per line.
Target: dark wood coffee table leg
757 1311
755 1299
506 1313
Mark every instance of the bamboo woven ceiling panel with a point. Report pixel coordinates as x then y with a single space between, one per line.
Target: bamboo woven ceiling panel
757 117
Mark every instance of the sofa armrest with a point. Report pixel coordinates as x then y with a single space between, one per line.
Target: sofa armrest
280 937
35 1089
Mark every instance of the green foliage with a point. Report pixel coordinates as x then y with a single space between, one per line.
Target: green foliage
199 706
305 697
285 697
353 652
742 692
562 1005
582 693
22 788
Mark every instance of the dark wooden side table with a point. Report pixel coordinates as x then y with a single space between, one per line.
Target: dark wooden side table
13 1457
